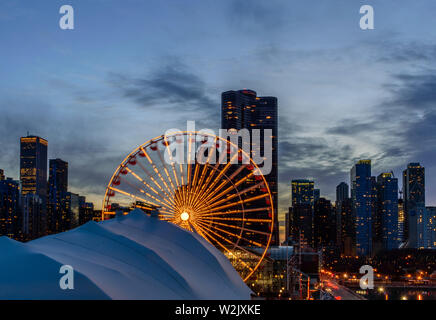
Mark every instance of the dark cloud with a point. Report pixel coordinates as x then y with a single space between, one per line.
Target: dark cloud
348 127
171 86
414 91
404 52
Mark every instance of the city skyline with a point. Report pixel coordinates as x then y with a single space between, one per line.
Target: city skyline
201 149
94 101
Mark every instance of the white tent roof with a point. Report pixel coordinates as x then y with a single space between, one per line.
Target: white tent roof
128 257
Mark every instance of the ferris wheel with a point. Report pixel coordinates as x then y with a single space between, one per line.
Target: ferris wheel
202 183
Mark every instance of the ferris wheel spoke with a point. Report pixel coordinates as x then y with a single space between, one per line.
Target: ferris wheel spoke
198 188
235 212
182 174
237 194
192 193
221 173
227 190
132 196
189 165
152 178
242 228
148 186
237 236
153 165
225 182
172 162
200 231
166 205
207 162
230 242
166 213
166 170
238 219
238 202
204 187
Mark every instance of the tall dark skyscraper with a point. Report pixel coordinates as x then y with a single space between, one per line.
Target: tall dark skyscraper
414 205
10 214
324 224
363 194
345 228
316 195
57 192
386 217
243 109
431 229
33 177
301 213
401 221
342 192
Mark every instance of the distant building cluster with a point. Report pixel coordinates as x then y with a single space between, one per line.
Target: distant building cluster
36 205
374 216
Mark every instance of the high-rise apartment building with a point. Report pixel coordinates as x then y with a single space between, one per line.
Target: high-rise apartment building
431 228
303 202
57 192
363 194
342 192
33 177
414 205
243 109
10 213
324 222
385 235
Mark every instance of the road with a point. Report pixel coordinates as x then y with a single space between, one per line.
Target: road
339 292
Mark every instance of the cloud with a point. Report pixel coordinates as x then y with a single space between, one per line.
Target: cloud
394 52
172 86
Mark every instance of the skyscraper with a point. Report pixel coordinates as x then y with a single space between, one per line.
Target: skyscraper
363 195
414 205
316 195
86 212
431 228
401 220
345 224
10 214
33 177
72 209
346 227
302 210
324 222
303 192
243 109
386 217
57 192
342 192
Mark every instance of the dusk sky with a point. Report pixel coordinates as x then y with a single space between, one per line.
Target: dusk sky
130 70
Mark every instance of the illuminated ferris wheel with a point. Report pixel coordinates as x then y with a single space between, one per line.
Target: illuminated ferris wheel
202 183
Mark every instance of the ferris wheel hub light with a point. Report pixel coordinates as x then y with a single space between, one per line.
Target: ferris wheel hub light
184 216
